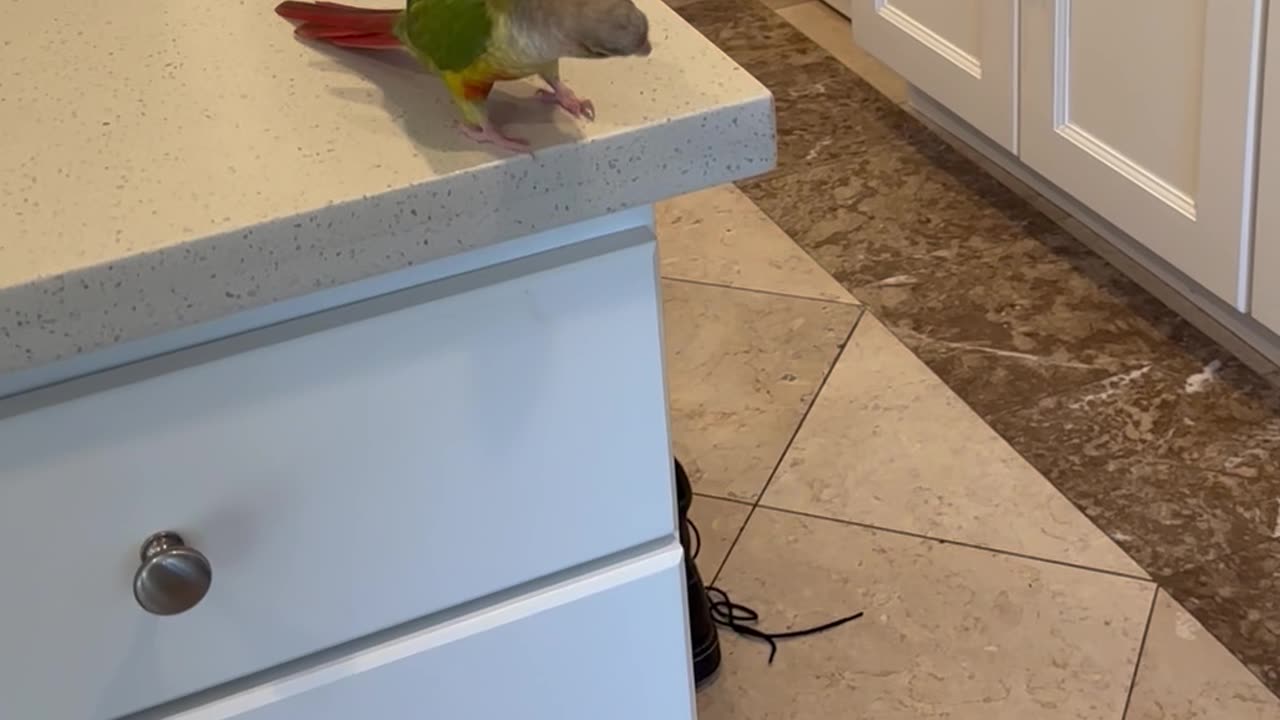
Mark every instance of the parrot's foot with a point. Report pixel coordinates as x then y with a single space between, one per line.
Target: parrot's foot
561 95
490 135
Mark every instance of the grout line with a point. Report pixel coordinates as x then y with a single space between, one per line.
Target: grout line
781 172
787 448
852 302
735 501
960 543
1142 650
1039 203
987 419
748 185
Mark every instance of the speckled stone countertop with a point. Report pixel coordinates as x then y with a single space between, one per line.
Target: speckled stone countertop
196 160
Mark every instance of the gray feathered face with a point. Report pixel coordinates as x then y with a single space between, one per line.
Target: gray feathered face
609 28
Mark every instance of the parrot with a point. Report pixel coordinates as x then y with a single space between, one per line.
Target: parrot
473 44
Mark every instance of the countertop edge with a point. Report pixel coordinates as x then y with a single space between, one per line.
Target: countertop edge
147 294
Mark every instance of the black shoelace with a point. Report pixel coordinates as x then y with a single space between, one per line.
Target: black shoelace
731 615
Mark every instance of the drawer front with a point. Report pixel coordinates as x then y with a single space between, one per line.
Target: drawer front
339 482
612 645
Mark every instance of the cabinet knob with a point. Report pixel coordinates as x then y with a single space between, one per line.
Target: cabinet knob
173 577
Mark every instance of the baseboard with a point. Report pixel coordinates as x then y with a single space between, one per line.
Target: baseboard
1246 338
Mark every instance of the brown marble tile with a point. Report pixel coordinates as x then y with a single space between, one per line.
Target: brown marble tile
1032 196
992 379
776 51
753 35
831 30
893 210
1172 518
1227 421
1238 600
825 112
996 298
1030 319
1177 468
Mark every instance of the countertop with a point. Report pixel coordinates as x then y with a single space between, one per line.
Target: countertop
166 164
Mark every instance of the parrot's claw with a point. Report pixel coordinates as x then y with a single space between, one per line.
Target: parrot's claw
490 135
564 97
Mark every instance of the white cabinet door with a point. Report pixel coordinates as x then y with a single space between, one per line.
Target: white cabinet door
1145 111
1266 252
429 448
612 645
962 53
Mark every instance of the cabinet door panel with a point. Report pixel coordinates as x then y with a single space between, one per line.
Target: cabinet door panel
1145 110
1266 253
612 645
459 441
960 52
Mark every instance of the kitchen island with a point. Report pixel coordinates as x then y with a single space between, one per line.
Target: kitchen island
311 408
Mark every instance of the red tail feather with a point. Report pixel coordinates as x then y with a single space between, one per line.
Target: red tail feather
342 25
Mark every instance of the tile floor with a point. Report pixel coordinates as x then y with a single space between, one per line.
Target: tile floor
902 388
836 472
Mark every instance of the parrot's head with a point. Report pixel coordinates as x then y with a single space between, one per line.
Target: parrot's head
606 28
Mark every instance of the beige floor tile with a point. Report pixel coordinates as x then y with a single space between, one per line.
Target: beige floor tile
834 33
949 632
1186 674
719 236
888 444
742 369
718 522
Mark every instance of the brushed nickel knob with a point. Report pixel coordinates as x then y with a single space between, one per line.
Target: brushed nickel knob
173 578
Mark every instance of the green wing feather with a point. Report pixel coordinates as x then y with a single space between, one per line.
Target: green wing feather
452 34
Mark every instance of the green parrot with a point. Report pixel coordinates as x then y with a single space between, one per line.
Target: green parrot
472 44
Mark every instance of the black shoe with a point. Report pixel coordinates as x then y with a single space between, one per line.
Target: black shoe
709 606
705 641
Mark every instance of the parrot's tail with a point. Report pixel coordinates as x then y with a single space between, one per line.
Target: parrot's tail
342 25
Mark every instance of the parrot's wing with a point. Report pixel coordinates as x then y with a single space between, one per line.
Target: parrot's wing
451 33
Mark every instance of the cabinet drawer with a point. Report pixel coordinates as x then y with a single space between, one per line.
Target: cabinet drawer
611 645
339 482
